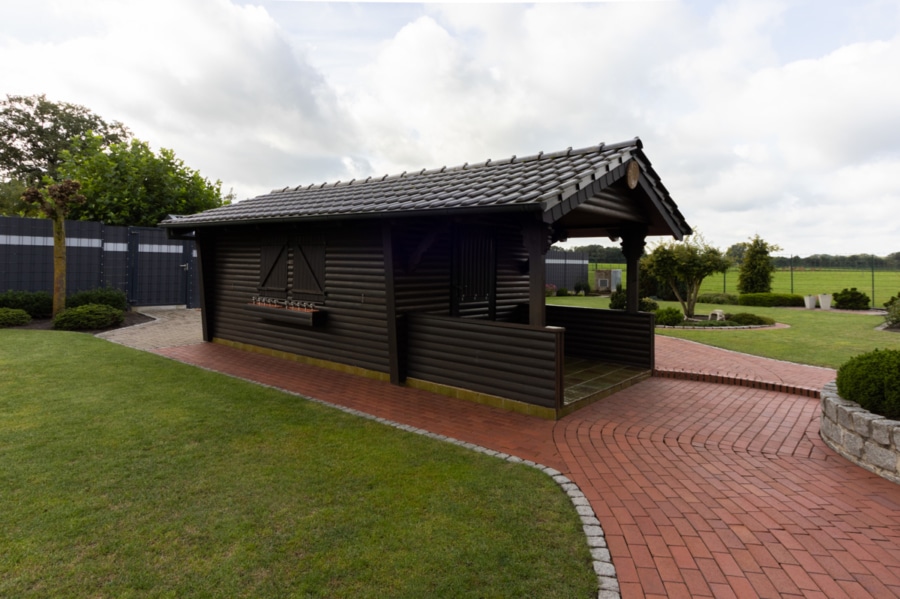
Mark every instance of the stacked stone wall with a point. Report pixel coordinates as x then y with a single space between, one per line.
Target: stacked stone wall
866 439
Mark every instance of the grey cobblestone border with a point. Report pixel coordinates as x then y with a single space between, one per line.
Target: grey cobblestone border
866 439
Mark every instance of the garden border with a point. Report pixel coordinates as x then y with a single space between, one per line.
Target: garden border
866 439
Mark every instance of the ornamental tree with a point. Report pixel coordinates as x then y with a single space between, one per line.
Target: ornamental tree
682 266
55 201
757 267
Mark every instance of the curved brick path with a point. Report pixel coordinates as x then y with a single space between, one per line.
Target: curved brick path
702 489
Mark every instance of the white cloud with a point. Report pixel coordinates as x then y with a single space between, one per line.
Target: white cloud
769 117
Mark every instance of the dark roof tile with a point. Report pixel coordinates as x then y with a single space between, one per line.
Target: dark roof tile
541 182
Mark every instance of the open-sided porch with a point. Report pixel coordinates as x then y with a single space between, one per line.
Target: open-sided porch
581 355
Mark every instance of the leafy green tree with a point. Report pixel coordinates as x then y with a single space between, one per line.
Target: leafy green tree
757 268
55 201
128 184
34 132
683 266
736 252
11 201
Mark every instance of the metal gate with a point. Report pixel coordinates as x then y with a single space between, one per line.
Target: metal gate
160 273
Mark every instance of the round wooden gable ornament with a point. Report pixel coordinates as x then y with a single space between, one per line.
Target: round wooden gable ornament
632 174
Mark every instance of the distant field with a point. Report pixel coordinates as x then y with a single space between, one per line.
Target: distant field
805 282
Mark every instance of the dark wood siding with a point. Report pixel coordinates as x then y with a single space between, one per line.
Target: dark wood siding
501 359
609 335
423 267
355 330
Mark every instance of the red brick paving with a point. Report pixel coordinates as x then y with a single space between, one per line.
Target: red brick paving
702 489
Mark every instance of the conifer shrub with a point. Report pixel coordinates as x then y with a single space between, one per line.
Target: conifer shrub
13 317
850 299
38 304
618 300
669 317
873 381
107 296
88 317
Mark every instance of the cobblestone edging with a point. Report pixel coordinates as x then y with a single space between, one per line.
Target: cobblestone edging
866 439
607 580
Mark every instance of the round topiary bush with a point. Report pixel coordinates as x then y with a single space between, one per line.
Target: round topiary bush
669 317
850 299
873 381
88 317
746 319
13 317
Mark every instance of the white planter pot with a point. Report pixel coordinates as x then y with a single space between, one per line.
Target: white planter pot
825 301
810 301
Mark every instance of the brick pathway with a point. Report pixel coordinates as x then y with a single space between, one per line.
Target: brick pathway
702 489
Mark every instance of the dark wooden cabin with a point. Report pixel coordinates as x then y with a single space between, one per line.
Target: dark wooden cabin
435 279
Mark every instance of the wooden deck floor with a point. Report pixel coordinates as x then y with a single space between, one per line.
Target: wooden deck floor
589 380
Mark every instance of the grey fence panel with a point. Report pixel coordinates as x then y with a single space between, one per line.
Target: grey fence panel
564 269
151 269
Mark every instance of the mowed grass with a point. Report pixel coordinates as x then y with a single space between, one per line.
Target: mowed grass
815 337
124 474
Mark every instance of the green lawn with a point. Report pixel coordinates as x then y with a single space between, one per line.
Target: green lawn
814 337
124 474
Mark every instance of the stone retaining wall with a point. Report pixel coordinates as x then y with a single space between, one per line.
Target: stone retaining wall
866 439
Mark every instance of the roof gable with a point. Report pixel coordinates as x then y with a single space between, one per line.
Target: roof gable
555 185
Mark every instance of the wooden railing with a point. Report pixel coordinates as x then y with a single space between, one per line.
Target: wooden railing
608 335
500 359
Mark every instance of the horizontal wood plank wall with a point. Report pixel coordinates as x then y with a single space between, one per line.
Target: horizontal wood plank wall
609 335
355 329
502 359
422 270
512 272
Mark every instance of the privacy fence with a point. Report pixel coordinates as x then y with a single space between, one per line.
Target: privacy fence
564 269
151 269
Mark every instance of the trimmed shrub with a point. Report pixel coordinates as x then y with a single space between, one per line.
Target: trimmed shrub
669 317
892 318
718 298
618 300
38 304
582 287
770 299
106 296
850 299
745 319
13 317
892 302
873 381
88 317
562 292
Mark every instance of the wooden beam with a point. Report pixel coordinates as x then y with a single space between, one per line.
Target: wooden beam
633 241
534 235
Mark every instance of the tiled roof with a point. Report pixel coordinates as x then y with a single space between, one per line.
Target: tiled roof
539 182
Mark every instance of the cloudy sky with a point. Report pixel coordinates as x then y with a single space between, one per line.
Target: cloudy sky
772 117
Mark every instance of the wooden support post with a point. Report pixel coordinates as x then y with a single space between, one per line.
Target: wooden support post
633 241
535 237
